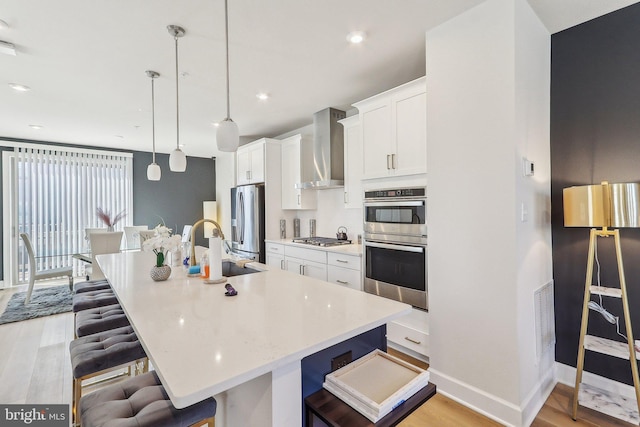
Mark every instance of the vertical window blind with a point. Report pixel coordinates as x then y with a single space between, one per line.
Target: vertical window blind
57 195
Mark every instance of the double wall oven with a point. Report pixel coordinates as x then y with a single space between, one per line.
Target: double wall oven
395 245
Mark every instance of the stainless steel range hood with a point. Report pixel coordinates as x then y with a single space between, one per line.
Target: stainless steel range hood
328 150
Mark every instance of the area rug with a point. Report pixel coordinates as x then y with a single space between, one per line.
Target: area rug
44 302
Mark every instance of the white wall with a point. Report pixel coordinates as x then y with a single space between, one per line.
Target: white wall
484 112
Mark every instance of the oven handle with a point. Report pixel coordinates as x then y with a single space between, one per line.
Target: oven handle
393 204
403 248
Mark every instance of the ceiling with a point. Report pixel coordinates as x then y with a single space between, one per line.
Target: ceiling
85 63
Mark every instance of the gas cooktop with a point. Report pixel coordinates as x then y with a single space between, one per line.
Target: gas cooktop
321 241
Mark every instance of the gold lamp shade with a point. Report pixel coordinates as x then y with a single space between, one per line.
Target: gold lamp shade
602 205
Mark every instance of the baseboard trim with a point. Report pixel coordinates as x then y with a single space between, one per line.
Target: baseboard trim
494 407
566 374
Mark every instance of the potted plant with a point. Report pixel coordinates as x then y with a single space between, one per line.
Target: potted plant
160 244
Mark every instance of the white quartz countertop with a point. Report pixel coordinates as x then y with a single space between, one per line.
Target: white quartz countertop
202 342
352 249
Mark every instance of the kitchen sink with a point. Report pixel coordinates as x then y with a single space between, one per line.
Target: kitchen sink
230 269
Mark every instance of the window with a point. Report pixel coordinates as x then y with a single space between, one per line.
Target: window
53 196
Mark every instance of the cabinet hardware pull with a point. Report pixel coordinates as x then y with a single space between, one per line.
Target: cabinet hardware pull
298 199
342 282
393 161
388 157
410 340
247 173
345 198
342 261
282 265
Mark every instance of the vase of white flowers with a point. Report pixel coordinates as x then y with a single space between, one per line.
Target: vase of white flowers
160 244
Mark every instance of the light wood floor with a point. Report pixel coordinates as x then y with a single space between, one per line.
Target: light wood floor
35 368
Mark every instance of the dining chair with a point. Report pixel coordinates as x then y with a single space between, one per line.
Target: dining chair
146 234
34 274
132 235
103 243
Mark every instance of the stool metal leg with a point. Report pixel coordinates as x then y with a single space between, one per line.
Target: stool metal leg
209 422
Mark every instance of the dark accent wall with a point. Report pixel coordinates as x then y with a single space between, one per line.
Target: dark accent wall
177 197
595 136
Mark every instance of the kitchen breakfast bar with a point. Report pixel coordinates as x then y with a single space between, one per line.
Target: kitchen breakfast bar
249 351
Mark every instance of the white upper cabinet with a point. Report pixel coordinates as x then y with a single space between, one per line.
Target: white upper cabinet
250 163
297 167
394 131
353 161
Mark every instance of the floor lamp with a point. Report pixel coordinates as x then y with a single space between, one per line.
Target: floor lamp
602 207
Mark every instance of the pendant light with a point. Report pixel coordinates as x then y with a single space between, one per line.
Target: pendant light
153 170
177 158
227 136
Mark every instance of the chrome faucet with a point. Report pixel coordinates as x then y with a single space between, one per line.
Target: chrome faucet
192 259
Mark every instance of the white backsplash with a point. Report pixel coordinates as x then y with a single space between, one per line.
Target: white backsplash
330 215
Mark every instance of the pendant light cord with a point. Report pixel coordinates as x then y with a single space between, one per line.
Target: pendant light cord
177 101
226 37
153 119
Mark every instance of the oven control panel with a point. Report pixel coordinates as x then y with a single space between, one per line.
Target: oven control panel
394 193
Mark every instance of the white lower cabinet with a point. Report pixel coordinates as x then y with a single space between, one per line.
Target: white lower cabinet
307 262
344 276
344 270
275 255
410 332
306 268
334 267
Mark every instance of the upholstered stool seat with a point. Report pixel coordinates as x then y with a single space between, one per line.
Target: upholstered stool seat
93 299
96 354
100 319
141 402
91 285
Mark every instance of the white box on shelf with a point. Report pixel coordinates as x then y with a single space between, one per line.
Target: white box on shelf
376 383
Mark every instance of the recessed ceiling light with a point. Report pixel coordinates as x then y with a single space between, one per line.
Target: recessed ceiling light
119 136
356 37
7 48
262 96
36 127
19 87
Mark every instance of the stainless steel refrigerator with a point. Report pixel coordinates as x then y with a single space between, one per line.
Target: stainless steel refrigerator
247 221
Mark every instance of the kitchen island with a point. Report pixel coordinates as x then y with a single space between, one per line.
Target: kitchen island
245 350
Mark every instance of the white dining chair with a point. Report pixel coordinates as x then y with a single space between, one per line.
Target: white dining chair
132 235
88 231
34 274
103 243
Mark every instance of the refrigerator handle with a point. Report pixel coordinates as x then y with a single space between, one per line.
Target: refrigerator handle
241 216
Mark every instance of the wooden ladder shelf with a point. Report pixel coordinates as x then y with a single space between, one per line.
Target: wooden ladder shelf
620 406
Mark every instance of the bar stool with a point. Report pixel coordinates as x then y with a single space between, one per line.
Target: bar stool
91 285
100 353
100 319
93 299
142 402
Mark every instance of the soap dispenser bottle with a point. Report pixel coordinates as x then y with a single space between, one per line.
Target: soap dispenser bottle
204 266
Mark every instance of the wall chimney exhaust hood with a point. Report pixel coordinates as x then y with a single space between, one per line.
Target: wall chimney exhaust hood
328 150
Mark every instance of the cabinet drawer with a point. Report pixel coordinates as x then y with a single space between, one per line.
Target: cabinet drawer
275 248
306 254
341 260
345 277
408 337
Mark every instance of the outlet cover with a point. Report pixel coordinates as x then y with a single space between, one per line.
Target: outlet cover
341 360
